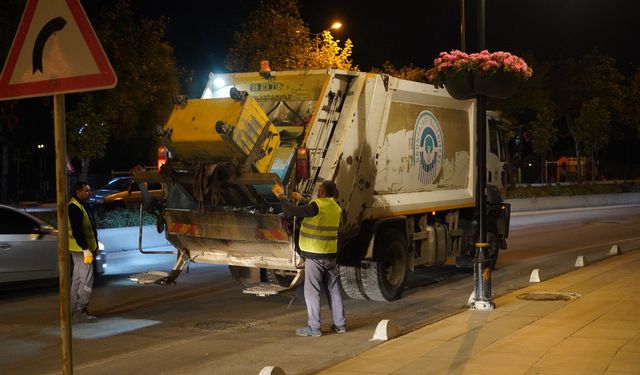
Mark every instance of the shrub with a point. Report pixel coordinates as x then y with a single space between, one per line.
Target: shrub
121 217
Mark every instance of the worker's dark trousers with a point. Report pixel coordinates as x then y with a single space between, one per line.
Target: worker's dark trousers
82 283
322 274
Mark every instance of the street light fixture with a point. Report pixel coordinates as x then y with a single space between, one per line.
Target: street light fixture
336 25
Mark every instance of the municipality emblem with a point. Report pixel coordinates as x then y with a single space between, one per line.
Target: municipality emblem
428 147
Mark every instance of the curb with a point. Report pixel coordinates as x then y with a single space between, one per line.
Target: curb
575 201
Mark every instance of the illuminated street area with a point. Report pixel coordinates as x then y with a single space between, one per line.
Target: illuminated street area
204 324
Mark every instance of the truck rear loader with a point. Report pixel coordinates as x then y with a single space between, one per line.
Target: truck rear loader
401 153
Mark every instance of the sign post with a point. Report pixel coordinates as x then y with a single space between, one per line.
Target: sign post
56 51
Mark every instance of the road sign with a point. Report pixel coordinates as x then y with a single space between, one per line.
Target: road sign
55 51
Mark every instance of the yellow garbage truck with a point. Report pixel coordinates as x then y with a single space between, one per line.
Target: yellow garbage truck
401 153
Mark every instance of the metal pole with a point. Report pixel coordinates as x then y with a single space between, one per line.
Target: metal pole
463 45
481 262
63 230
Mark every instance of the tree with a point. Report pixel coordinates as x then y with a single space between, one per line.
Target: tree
632 102
575 83
592 129
87 134
275 31
409 72
544 134
142 99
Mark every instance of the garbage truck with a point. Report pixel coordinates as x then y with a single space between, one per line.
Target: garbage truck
401 153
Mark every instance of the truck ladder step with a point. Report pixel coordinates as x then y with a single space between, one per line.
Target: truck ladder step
149 277
265 289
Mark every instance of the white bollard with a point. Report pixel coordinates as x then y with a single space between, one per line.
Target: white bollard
615 250
535 276
271 370
472 299
386 330
581 261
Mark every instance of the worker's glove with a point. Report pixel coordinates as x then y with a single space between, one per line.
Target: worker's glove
88 256
278 191
296 197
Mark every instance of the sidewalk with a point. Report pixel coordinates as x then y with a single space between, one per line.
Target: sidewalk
595 333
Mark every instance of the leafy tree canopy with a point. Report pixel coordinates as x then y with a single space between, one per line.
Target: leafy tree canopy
409 72
147 80
276 32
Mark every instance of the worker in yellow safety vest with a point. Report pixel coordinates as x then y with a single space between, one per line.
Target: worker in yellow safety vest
83 245
318 245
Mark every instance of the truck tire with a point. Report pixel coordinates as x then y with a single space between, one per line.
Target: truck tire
384 279
351 285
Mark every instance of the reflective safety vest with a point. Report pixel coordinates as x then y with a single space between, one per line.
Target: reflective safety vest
86 227
319 234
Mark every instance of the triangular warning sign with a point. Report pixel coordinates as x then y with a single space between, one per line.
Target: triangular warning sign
55 51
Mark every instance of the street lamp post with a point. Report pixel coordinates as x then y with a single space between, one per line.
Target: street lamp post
481 262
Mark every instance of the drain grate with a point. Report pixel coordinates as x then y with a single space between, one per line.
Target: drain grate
549 296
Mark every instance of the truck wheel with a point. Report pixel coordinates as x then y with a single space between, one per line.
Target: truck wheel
385 278
350 284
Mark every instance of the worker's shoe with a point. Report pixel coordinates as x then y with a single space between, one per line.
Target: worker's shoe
83 317
308 331
339 329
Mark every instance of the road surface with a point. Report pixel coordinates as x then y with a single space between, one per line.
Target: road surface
205 325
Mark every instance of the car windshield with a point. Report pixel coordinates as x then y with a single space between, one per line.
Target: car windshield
118 184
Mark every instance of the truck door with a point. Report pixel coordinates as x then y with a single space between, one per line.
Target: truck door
496 154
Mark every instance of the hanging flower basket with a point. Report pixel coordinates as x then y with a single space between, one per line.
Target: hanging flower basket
501 85
496 75
460 85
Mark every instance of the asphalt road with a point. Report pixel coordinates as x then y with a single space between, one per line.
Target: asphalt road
205 325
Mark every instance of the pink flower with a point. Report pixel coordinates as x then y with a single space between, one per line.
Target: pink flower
449 63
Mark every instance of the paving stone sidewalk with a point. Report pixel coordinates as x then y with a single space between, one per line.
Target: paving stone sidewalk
595 332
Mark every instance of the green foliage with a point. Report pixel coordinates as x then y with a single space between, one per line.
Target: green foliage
568 190
87 133
121 217
533 95
409 72
544 132
276 32
147 81
327 53
632 102
592 125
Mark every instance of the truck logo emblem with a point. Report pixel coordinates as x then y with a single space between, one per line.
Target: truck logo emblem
428 147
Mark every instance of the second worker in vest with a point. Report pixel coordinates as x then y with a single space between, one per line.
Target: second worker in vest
318 245
83 245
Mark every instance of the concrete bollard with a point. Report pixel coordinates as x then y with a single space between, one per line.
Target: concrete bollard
472 299
535 276
581 261
386 330
615 250
271 370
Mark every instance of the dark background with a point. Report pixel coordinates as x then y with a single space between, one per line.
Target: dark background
410 32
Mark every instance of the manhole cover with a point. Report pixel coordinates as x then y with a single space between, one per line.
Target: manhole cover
222 325
549 296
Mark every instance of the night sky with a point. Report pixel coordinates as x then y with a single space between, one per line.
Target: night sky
403 32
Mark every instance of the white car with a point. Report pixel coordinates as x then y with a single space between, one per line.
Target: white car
29 246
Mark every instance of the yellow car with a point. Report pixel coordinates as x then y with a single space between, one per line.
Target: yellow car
123 192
